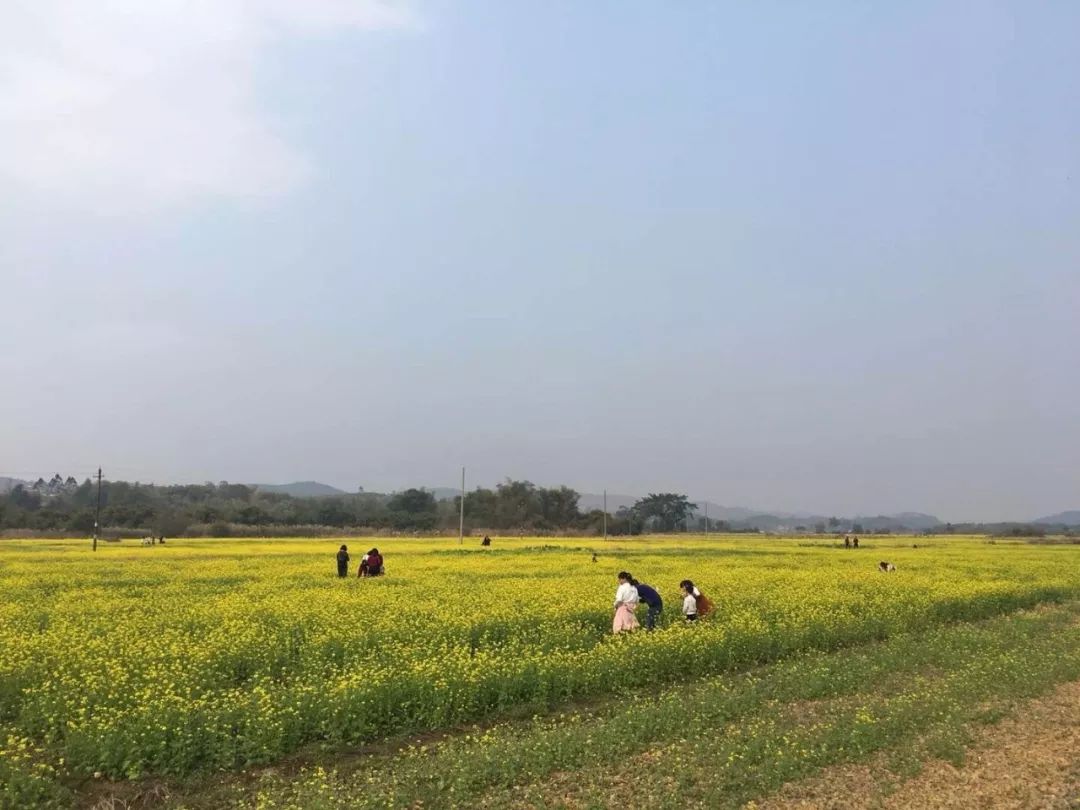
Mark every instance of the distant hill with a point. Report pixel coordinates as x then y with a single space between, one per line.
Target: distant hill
742 517
8 484
1069 518
301 489
444 493
591 500
918 520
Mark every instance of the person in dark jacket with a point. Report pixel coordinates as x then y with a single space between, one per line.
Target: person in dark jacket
648 595
343 561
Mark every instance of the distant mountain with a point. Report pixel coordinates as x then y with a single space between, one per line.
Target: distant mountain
8 484
1069 518
737 516
591 500
301 489
734 514
902 520
444 493
742 517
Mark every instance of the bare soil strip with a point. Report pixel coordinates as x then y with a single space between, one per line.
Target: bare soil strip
1030 759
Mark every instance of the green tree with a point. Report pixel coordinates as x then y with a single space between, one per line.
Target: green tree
413 509
559 507
517 505
413 502
665 510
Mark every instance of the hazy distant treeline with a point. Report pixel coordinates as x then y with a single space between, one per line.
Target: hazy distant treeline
64 506
224 509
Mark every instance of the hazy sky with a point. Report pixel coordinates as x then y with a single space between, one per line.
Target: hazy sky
805 256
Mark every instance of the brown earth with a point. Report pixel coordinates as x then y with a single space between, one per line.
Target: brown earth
1028 760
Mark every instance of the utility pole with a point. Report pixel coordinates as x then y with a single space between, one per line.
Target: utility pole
461 517
97 515
706 520
605 514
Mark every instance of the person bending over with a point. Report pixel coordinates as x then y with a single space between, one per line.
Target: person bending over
648 595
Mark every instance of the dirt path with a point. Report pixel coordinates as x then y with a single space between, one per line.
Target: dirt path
1029 760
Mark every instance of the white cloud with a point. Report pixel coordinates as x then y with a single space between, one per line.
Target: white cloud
134 103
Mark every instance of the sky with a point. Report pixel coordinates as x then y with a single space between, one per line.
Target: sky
797 256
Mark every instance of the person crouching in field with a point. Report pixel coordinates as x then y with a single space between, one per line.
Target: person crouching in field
651 598
343 561
695 603
626 602
372 564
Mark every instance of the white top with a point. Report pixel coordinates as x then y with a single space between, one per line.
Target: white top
689 605
626 593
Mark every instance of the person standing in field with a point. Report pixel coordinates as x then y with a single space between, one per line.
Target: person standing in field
648 595
343 561
689 602
626 602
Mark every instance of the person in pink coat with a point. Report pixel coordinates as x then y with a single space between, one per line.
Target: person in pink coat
626 602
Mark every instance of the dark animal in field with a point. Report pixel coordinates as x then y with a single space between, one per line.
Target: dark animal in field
886 567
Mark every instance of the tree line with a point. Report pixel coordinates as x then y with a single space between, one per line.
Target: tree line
225 509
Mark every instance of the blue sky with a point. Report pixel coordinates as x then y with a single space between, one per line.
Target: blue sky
794 256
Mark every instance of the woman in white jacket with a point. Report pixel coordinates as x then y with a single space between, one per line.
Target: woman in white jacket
626 602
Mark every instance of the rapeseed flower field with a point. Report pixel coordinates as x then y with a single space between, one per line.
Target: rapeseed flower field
209 655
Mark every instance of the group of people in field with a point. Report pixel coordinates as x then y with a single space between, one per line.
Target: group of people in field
371 564
628 596
632 593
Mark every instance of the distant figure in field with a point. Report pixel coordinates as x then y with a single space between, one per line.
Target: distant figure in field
648 595
161 540
855 541
626 602
486 541
847 541
886 567
594 557
372 564
695 604
343 561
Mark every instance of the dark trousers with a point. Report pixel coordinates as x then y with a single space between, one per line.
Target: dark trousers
342 569
653 615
